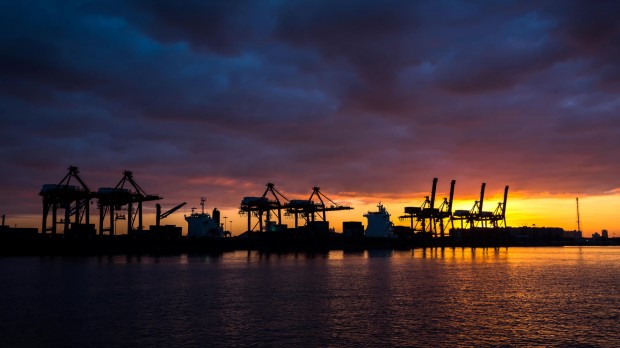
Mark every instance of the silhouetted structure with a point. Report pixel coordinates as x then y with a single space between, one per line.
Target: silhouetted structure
353 229
312 211
111 200
498 219
160 216
379 223
427 217
472 215
477 217
578 216
257 206
272 202
201 224
73 199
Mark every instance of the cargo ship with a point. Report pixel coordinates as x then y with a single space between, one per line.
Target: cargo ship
201 224
379 224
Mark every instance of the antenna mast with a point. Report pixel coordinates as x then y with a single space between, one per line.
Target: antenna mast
578 219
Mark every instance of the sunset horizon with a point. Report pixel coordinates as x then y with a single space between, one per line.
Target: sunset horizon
310 173
523 209
368 100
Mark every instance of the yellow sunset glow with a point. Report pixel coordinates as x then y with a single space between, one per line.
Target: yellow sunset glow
596 212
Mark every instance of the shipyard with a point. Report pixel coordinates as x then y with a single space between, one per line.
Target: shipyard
66 226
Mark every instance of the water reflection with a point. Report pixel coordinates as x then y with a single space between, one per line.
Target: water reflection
424 297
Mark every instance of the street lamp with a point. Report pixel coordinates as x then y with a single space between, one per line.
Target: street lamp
225 217
230 226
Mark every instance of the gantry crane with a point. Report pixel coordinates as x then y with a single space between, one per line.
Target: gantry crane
427 216
319 209
311 211
257 206
445 211
476 215
499 215
73 199
428 211
492 218
126 193
303 208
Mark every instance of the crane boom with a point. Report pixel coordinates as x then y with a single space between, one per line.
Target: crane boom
160 215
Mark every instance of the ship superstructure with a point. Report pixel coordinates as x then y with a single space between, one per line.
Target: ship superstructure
204 225
379 224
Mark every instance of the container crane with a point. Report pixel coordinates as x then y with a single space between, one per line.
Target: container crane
311 211
499 215
257 206
423 214
427 215
445 210
472 215
74 197
477 212
111 199
320 208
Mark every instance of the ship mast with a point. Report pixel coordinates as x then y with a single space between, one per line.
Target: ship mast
578 219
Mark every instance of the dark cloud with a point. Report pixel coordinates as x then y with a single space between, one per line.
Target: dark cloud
353 96
224 27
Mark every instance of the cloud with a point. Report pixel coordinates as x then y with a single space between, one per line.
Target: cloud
360 96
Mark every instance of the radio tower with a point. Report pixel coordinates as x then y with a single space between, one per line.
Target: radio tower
578 220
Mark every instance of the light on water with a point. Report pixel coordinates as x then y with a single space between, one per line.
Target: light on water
432 297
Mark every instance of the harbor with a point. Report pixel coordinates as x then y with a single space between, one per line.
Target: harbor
67 228
310 174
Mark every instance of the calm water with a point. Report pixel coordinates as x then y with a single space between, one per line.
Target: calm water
462 297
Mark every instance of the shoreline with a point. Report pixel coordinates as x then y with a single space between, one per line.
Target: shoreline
61 245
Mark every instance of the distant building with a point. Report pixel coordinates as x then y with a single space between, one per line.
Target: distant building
537 234
353 229
604 234
572 235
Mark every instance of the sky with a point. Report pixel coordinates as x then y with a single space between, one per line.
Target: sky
370 100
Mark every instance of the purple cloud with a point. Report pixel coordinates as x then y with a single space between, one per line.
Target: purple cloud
369 97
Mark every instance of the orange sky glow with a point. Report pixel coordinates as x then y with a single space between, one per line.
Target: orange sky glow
597 212
368 100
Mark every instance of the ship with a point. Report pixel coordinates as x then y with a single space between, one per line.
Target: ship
379 224
201 224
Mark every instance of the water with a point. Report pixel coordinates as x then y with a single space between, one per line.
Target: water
484 297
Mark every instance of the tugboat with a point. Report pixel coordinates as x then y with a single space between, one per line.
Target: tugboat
204 225
379 224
